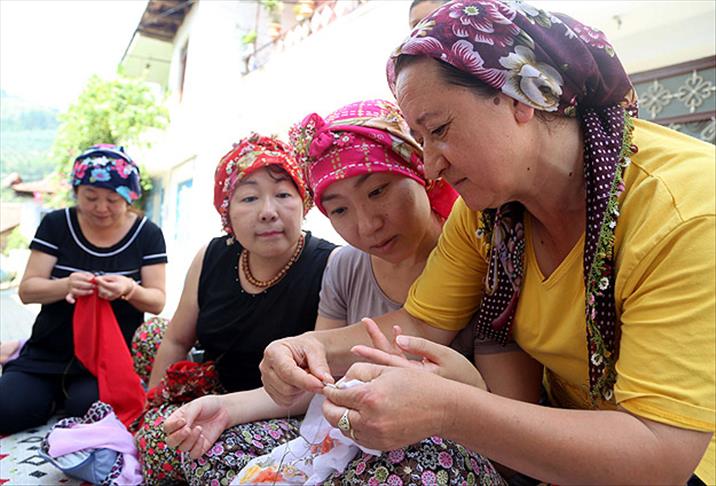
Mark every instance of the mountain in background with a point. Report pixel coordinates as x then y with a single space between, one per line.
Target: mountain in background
27 132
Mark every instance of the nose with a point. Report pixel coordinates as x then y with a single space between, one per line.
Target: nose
369 221
268 212
101 206
435 163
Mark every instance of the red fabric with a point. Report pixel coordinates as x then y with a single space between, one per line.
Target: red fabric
100 347
183 382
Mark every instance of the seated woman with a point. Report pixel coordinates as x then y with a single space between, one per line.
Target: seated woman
257 283
366 174
583 233
100 245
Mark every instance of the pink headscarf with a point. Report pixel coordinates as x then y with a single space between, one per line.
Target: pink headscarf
360 138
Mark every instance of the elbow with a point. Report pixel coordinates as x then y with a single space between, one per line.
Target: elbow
22 293
156 306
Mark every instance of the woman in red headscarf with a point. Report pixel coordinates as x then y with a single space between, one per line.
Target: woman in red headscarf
257 283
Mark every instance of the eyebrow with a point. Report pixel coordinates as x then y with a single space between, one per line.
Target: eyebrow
360 180
421 119
245 182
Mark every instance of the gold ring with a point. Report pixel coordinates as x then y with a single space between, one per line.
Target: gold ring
345 423
353 435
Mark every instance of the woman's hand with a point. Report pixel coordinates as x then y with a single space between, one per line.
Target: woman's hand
79 284
435 358
293 365
194 427
396 407
112 287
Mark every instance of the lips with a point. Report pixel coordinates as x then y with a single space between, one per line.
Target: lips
268 234
385 244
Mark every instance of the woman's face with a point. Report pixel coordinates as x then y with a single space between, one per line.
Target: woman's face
476 143
383 214
101 207
266 212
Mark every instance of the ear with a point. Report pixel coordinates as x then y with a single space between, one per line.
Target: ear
523 113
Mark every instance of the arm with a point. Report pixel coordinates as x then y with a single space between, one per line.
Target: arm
150 295
181 332
195 426
325 323
554 445
37 287
512 374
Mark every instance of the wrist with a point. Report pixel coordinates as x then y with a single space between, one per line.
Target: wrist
129 293
449 409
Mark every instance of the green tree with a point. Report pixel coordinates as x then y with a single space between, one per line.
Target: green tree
114 111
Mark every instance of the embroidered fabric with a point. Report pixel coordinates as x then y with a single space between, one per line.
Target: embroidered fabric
319 451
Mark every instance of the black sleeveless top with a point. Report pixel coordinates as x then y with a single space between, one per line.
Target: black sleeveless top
234 326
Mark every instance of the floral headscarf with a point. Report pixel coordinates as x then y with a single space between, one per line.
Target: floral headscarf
109 167
247 156
363 137
551 63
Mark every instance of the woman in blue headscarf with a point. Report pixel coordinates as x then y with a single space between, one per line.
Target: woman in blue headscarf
100 245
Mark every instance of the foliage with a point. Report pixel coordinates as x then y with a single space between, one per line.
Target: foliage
27 131
15 241
273 7
26 152
117 111
249 37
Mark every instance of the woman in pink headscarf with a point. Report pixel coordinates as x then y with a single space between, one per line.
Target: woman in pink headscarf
366 175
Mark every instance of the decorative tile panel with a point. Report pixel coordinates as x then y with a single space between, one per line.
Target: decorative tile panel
682 97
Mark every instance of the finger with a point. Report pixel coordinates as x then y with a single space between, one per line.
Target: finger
422 347
174 422
376 335
281 393
379 357
188 443
202 445
83 285
333 413
364 371
178 436
70 298
318 369
311 380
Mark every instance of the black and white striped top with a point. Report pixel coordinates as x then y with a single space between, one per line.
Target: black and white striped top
50 348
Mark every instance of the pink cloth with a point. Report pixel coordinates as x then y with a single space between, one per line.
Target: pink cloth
106 433
363 137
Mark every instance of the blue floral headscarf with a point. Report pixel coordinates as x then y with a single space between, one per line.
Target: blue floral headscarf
109 167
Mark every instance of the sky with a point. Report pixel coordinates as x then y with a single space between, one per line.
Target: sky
48 49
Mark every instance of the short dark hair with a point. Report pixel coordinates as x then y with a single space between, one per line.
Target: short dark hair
450 75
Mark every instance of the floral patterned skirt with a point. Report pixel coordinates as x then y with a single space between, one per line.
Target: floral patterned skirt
431 461
145 345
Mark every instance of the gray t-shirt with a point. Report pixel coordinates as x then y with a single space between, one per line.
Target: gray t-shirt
350 291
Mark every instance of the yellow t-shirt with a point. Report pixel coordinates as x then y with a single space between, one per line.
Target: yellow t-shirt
665 291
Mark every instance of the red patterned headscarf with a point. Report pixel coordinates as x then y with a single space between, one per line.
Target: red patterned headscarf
553 63
247 156
363 137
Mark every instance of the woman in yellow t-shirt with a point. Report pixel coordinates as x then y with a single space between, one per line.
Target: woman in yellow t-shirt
583 234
